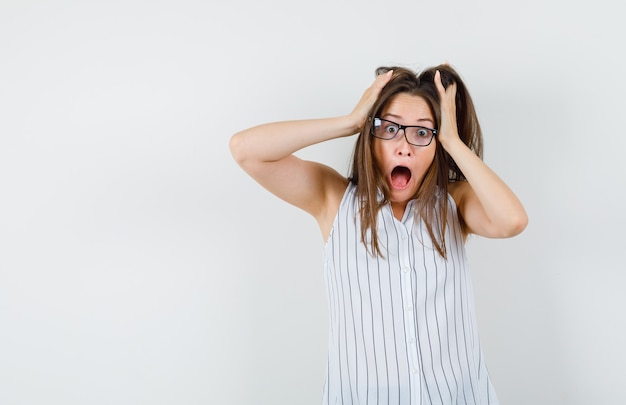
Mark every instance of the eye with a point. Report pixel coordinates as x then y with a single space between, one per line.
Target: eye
391 129
422 132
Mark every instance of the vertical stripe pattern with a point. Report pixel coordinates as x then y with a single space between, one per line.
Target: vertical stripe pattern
402 328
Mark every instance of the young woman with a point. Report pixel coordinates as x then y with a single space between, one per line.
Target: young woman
402 324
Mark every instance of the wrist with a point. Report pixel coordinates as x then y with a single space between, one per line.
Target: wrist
451 143
353 124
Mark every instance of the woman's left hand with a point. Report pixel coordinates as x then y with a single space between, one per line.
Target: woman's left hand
448 130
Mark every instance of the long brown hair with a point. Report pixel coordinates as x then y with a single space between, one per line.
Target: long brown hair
431 196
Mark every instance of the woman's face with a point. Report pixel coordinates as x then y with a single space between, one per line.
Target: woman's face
404 165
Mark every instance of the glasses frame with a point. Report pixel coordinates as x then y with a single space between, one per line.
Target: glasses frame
403 128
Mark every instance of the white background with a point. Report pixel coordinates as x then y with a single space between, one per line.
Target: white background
140 265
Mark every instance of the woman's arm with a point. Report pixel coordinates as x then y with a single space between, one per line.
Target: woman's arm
265 152
487 205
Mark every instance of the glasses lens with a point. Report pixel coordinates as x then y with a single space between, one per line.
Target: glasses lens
419 136
384 129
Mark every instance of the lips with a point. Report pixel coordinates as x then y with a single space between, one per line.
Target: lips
400 176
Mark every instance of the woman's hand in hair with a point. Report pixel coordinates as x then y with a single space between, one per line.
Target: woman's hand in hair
369 97
486 204
448 130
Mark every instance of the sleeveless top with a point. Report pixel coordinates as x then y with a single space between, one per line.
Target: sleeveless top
402 327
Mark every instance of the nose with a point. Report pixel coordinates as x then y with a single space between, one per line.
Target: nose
403 147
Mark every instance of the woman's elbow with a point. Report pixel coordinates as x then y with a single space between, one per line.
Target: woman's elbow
515 225
237 150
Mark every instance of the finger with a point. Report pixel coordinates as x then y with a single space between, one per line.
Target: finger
443 91
382 80
386 74
439 84
379 83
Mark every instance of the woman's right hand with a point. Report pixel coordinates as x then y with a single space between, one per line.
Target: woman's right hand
369 97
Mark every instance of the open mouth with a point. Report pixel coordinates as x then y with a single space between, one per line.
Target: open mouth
400 176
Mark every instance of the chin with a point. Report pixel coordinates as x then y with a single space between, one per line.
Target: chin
402 196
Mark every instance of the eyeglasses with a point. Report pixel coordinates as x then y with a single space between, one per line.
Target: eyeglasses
414 134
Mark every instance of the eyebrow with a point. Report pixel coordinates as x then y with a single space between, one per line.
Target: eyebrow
421 120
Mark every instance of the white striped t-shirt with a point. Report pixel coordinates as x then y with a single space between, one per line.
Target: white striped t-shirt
402 327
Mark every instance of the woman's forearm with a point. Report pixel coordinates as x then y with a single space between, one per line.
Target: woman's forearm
275 141
503 209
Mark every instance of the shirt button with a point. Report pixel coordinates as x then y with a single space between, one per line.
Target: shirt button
411 340
414 371
408 307
403 237
405 269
